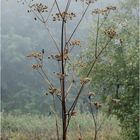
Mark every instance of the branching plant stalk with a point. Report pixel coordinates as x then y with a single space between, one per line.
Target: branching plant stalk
56 122
82 86
97 125
95 60
95 122
77 25
53 109
64 116
42 20
62 60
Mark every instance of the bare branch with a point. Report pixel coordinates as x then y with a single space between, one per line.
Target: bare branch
94 120
50 11
58 8
77 25
56 121
98 57
42 20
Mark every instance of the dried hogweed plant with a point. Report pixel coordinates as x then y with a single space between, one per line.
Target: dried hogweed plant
44 13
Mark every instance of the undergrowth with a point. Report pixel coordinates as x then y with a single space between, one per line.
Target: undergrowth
38 127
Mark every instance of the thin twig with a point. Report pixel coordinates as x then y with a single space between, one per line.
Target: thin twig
58 8
97 34
50 11
56 122
42 20
77 25
94 120
98 57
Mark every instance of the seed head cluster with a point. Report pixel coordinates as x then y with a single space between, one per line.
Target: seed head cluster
110 32
64 15
39 7
74 43
104 11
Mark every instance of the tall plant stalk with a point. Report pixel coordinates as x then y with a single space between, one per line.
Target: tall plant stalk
64 116
62 58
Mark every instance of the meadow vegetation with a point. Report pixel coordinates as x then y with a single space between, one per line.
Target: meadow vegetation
39 127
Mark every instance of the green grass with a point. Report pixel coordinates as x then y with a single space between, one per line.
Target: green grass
37 127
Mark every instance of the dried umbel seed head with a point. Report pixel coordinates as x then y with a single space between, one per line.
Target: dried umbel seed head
35 54
65 54
97 105
64 15
38 7
110 32
100 11
73 113
74 43
111 8
82 65
36 66
104 11
53 90
60 75
84 80
58 57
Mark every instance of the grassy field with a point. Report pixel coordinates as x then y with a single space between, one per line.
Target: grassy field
36 127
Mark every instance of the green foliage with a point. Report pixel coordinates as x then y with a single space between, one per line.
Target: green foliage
115 76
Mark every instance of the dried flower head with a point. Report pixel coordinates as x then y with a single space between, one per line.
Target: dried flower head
58 57
36 66
60 75
104 11
82 65
97 105
74 43
110 32
65 54
100 11
38 7
64 15
35 54
53 90
73 113
111 8
84 80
